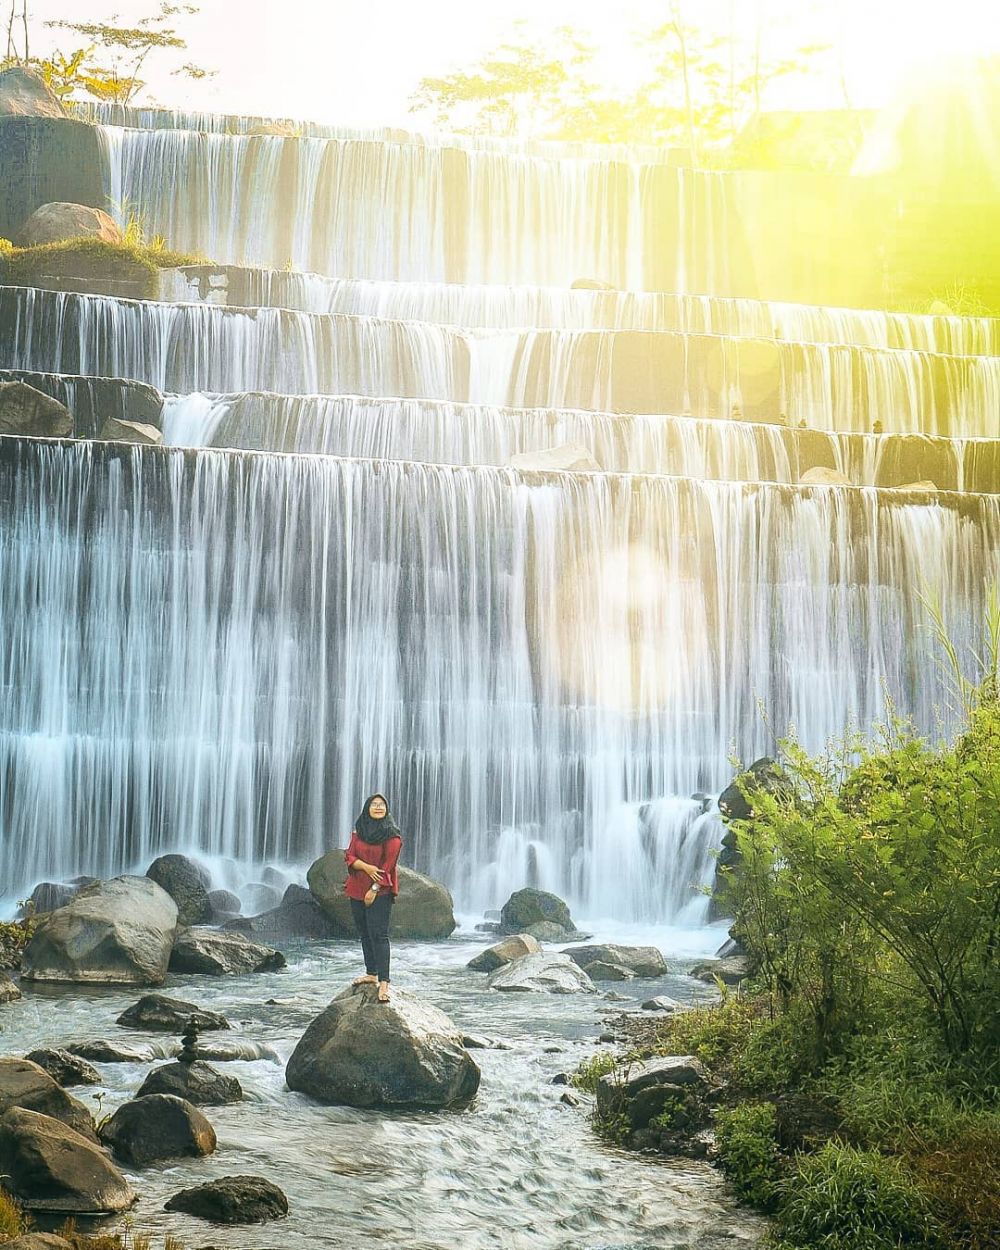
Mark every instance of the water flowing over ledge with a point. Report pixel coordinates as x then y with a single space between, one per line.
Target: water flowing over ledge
224 649
191 347
556 308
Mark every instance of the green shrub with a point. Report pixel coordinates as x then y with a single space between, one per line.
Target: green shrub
591 1070
841 1198
748 1151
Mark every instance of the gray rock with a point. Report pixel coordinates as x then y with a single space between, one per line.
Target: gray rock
413 1054
623 1085
298 915
232 1200
24 1084
730 971
662 1003
503 952
187 884
765 774
117 932
473 1041
47 1166
224 903
569 1098
225 1050
60 221
102 1051
155 1127
528 907
197 1082
601 970
424 908
548 973
169 1015
644 961
259 896
65 1068
50 895
547 931
25 93
730 947
9 992
27 412
212 953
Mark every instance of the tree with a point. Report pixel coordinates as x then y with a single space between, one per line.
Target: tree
128 48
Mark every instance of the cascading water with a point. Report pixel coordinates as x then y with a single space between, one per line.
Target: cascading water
223 650
512 307
191 347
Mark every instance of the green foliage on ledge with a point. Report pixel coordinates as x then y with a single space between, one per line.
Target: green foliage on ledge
91 261
14 937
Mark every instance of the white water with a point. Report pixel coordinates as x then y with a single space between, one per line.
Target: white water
223 651
192 347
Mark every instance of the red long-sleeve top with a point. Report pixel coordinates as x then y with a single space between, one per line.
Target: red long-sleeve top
383 855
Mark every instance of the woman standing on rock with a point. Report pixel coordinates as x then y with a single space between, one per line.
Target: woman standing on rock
372 886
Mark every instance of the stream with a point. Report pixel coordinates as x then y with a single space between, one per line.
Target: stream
516 1170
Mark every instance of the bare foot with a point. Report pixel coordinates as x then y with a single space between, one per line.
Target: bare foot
383 991
365 980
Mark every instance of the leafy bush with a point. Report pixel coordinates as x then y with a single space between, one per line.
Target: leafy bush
591 1070
748 1151
841 1198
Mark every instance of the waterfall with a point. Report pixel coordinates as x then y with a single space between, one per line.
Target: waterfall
191 347
223 650
512 307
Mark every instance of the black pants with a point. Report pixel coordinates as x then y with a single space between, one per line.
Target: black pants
372 924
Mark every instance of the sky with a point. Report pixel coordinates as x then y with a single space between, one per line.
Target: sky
356 62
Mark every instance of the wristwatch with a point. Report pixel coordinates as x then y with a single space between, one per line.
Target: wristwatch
374 887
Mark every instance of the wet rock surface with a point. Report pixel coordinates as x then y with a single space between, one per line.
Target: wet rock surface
212 952
27 1085
542 973
65 1068
197 1082
414 1055
170 1015
155 1127
504 952
232 1200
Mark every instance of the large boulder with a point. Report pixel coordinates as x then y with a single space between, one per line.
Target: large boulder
25 93
565 457
117 932
424 908
59 221
213 953
187 884
24 1084
9 992
49 1167
530 907
765 774
198 1082
49 895
232 1200
103 1051
505 952
643 961
402 1054
601 970
29 413
155 1127
545 973
730 971
65 1068
224 903
169 1015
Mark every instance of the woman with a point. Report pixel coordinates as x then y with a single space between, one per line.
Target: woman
372 886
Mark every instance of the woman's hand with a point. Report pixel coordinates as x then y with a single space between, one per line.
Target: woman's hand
374 873
370 897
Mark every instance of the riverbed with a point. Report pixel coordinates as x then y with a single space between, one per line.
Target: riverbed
516 1170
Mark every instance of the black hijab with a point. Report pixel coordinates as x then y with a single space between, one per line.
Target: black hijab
376 831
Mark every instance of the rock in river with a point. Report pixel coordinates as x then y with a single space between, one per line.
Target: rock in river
64 1067
214 953
232 1200
504 952
198 1082
117 932
413 1055
9 993
643 961
526 908
424 908
169 1015
155 1127
551 973
49 1167
187 884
